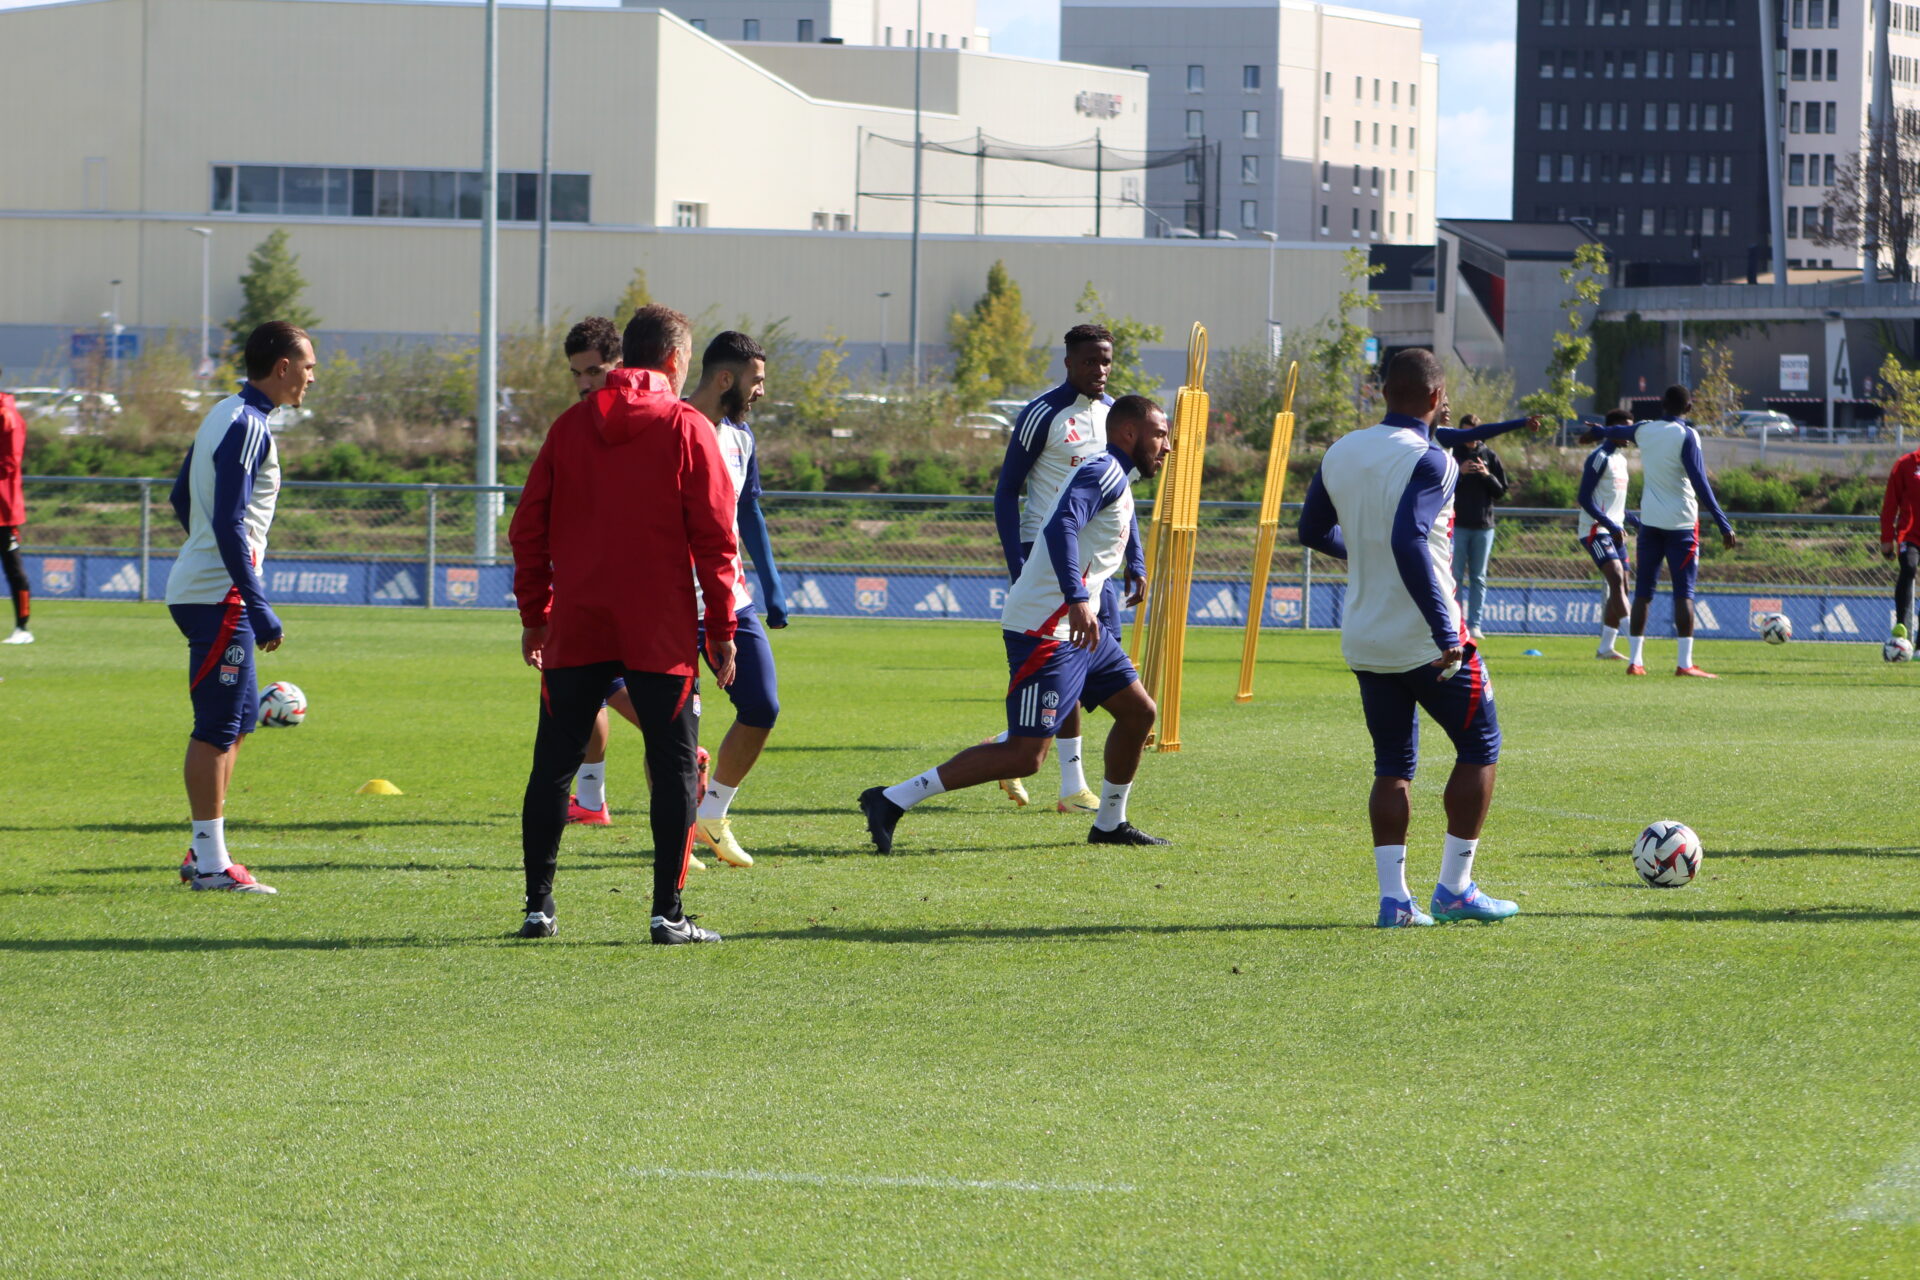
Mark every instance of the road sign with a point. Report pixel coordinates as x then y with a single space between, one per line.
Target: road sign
1795 373
89 343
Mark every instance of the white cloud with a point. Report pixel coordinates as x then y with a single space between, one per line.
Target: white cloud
1021 27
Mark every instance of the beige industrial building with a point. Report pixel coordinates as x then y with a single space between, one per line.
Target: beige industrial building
943 24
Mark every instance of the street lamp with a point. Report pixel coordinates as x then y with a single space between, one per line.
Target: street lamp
113 334
1273 253
883 331
206 299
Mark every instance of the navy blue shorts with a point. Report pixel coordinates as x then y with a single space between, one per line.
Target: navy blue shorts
1050 675
754 691
220 680
1679 549
1109 614
1463 706
1602 548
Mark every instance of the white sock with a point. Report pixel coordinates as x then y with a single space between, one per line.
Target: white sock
1113 805
590 786
999 737
1686 651
1607 637
714 804
1073 778
1390 864
210 846
1638 646
911 792
1456 864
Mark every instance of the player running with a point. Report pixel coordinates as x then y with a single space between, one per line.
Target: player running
1063 656
224 497
1603 496
1055 433
627 491
1673 485
1382 501
13 514
733 374
1900 535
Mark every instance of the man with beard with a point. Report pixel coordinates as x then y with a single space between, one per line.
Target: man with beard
733 374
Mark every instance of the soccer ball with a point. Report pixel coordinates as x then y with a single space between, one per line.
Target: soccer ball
282 706
1667 855
1898 649
1776 628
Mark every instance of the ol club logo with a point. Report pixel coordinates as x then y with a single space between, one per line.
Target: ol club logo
1758 607
1283 604
57 575
870 594
463 586
229 675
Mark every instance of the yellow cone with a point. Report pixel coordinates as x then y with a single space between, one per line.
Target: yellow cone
379 787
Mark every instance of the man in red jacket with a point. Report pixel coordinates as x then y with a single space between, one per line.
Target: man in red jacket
13 514
628 491
1900 535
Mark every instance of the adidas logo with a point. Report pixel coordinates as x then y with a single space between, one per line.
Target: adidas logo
807 595
126 579
1703 615
1838 619
1222 606
939 600
399 587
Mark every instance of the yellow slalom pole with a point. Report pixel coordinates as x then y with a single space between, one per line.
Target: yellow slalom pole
1270 499
1169 629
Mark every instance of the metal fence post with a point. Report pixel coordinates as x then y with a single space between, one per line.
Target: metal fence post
433 537
146 536
1306 588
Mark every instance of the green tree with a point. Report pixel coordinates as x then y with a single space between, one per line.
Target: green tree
994 351
1716 397
1555 402
1900 394
1128 376
637 295
1247 392
1487 394
270 290
1337 375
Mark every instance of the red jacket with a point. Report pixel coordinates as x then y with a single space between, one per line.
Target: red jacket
13 450
627 501
1900 513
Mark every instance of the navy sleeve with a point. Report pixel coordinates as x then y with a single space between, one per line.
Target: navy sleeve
1136 553
1427 492
1448 437
1029 438
759 548
1625 433
1696 465
235 461
181 498
1589 482
1320 523
1088 490
750 489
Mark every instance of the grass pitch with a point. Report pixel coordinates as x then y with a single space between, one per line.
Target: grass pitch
998 1053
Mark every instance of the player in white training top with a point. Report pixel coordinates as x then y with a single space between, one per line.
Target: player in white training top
1603 496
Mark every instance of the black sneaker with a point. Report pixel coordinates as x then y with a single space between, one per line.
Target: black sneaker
539 925
882 815
673 933
1125 833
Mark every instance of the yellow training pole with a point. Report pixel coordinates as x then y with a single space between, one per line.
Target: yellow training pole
1277 450
1148 634
1170 619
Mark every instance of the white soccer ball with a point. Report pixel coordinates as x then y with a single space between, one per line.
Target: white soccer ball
1898 649
1667 855
282 706
1776 628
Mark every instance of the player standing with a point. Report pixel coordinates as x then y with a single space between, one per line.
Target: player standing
733 374
1061 654
1673 485
224 497
1382 501
1900 535
628 490
1055 433
13 514
1603 496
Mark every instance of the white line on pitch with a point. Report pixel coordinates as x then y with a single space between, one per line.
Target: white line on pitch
873 1180
1893 1197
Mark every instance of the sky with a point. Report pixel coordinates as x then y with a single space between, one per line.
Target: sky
1474 42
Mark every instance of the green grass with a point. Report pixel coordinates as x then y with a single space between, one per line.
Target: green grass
1203 1056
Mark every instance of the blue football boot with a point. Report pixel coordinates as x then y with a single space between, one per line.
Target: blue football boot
1400 913
1472 904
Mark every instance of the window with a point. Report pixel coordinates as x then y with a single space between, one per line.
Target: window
1249 168
1356 179
1566 168
1393 223
1326 85
1325 172
1326 128
1396 93
1606 116
1375 187
1546 169
1393 136
1376 88
1833 13
1816 17
1249 214
750 28
1250 78
1393 181
1410 132
1793 214
1356 133
1697 66
1826 179
1376 133
445 194
1586 115
1832 116
1354 230
1546 66
1793 117
1357 82
1196 80
1546 117
1799 14
890 41
1373 223
1249 124
1413 95
1409 182
1195 209
804 30
1693 169
1196 124
1673 117
1193 169
1833 64
1323 219
1796 171
1646 222
700 24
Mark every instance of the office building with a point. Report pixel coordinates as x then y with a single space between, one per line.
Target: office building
946 24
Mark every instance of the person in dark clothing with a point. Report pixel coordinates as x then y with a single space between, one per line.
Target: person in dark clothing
1482 482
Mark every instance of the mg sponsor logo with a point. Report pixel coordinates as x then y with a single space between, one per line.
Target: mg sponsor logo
870 594
1284 604
463 586
58 575
1758 607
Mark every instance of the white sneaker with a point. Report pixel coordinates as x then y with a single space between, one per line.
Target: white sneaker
20 636
235 878
1477 633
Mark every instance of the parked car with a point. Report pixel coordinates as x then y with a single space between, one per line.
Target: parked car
81 412
1758 422
985 426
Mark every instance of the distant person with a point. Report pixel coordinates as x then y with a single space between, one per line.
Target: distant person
13 514
1673 487
628 490
1603 496
1900 535
1381 501
1483 481
224 497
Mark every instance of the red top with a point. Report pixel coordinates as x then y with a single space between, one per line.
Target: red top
628 491
1900 513
13 450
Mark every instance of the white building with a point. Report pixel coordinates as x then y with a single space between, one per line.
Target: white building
948 24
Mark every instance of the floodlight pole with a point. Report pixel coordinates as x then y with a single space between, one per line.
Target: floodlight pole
883 331
546 167
206 300
486 411
913 282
